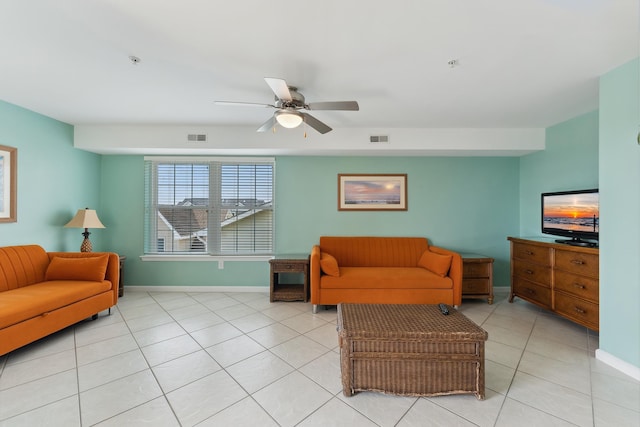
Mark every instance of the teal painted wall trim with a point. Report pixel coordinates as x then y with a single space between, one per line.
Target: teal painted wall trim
620 213
54 181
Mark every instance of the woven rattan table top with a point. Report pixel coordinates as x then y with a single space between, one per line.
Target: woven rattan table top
405 321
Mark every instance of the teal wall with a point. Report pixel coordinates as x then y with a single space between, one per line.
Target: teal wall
569 162
54 181
465 204
620 213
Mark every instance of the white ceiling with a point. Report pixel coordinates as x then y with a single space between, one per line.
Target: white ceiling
521 64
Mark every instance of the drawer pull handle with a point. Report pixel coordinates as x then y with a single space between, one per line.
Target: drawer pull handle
528 252
579 286
577 261
529 271
579 310
531 291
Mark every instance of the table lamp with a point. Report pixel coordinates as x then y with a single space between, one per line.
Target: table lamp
85 218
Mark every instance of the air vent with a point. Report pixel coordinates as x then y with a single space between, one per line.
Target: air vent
197 137
379 139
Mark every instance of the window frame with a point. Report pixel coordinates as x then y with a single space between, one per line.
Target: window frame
151 208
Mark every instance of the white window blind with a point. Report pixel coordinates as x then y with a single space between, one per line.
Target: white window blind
213 206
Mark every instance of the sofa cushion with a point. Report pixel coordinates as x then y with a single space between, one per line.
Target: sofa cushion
374 251
20 304
22 266
437 263
86 269
386 278
329 264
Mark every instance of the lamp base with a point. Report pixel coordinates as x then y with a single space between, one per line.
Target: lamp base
86 243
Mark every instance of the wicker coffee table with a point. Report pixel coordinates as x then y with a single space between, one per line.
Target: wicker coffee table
411 350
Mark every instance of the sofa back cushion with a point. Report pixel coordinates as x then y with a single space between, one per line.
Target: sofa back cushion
22 266
374 251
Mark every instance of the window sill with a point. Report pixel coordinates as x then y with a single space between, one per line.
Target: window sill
206 258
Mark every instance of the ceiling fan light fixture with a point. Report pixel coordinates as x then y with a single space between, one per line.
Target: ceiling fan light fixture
289 119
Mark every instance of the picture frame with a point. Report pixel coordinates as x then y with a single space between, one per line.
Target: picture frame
8 183
373 192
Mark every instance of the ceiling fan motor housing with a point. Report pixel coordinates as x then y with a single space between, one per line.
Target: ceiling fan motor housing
297 100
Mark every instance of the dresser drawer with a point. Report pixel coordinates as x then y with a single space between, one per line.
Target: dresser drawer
532 272
475 286
531 292
476 269
288 267
581 286
577 262
532 253
583 312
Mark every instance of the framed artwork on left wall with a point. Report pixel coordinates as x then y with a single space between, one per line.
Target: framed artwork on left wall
8 184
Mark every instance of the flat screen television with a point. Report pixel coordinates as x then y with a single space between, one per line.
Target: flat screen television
573 214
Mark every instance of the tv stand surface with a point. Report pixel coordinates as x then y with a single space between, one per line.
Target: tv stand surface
577 242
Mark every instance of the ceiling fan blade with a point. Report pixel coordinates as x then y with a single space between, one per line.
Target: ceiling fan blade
337 105
315 123
268 125
279 87
244 104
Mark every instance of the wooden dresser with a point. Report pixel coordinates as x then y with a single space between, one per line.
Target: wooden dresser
558 277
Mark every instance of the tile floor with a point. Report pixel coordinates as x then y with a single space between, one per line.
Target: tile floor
235 359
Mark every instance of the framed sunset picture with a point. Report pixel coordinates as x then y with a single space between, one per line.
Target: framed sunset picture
376 192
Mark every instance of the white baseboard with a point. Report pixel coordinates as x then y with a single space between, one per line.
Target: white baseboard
622 366
261 289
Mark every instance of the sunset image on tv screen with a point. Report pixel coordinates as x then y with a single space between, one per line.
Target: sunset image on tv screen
574 212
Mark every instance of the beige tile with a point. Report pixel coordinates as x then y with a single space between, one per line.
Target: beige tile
205 397
107 370
184 370
515 413
156 413
292 398
336 413
437 416
20 373
259 371
243 413
554 399
105 401
383 409
234 350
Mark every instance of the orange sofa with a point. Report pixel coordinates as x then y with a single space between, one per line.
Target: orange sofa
43 292
392 270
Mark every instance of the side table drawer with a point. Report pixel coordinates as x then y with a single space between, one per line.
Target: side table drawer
283 268
476 269
475 286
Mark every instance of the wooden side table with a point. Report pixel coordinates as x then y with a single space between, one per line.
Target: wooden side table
286 265
477 277
121 283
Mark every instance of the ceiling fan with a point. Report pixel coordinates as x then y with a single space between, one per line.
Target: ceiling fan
289 103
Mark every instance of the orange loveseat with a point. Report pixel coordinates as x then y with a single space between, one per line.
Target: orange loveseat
43 292
391 270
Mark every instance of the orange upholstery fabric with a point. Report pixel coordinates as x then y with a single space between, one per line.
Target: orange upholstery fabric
439 264
89 268
31 307
383 270
329 264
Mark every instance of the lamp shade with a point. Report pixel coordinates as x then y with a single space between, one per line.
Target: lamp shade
289 119
85 218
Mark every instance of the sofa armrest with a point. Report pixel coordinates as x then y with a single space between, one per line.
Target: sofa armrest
113 266
315 273
455 272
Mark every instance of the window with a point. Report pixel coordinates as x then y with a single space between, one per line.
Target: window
209 206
